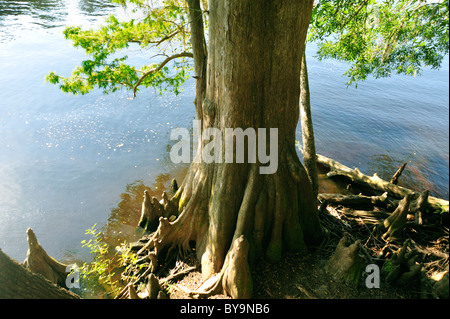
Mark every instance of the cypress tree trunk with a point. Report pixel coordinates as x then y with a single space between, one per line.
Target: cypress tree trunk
231 211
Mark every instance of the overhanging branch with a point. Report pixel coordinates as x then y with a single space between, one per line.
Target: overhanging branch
159 67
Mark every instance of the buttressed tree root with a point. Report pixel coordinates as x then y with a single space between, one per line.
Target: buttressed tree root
265 223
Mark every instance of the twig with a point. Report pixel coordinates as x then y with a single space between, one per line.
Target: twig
178 274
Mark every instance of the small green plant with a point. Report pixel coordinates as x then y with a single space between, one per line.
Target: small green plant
439 210
105 269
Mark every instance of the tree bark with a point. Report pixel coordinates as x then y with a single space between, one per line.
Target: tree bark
232 212
17 282
309 146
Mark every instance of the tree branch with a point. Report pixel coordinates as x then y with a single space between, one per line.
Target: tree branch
159 67
354 14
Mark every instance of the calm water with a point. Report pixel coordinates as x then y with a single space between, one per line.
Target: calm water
65 160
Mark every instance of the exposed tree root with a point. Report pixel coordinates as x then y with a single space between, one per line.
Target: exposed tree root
441 287
394 224
402 268
262 222
346 264
234 279
38 261
152 210
419 263
18 282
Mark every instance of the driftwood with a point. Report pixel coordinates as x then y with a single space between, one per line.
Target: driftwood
38 261
354 200
368 217
398 173
16 281
375 182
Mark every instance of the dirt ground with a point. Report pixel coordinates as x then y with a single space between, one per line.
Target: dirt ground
304 277
299 277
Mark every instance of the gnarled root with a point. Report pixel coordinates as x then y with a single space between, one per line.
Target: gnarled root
395 223
346 264
38 261
441 287
402 268
417 208
234 279
153 210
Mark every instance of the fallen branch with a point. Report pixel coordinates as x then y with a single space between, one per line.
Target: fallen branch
398 173
375 182
354 200
371 217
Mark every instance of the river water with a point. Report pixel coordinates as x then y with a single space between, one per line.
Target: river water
66 161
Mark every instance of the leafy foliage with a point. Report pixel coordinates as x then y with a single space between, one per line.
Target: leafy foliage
381 37
105 269
161 27
377 37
